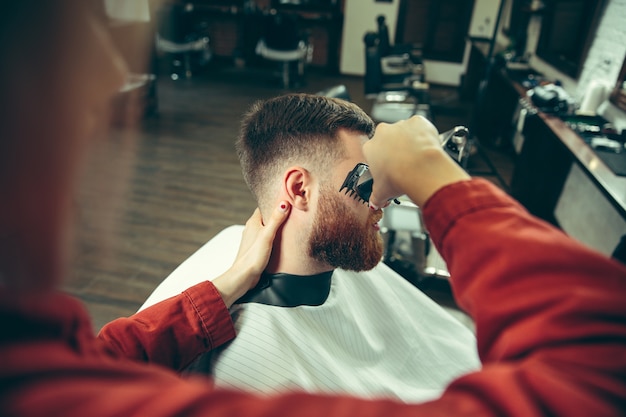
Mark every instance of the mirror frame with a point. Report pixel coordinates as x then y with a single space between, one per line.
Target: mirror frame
618 95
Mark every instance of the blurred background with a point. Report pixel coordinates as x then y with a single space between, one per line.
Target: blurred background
539 84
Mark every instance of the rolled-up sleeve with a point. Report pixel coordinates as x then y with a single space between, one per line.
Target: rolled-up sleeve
175 331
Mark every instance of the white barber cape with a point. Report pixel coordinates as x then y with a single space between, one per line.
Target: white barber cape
376 335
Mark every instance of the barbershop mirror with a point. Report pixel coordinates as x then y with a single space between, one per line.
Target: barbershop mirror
618 95
567 29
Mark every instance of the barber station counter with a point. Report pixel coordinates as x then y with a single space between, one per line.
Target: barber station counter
557 176
560 178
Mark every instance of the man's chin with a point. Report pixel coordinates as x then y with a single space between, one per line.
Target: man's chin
365 264
363 269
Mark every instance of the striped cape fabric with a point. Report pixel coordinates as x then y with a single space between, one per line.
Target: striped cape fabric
376 336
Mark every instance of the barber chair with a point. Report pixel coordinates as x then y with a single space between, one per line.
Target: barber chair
336 91
395 77
393 106
283 42
390 67
408 248
179 35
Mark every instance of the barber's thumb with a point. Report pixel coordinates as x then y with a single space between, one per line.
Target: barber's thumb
280 214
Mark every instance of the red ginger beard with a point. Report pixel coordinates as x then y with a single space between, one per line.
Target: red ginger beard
340 239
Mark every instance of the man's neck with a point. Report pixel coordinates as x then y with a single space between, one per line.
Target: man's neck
290 254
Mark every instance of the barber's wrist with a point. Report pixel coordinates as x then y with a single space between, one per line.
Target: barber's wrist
233 284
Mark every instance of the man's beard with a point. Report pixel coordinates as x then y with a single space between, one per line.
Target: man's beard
340 240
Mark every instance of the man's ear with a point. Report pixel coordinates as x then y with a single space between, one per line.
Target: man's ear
297 183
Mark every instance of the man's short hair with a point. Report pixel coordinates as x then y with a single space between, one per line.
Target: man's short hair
294 129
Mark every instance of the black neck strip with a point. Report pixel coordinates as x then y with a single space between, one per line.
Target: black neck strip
286 290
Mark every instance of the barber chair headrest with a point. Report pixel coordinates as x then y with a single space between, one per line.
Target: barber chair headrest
337 91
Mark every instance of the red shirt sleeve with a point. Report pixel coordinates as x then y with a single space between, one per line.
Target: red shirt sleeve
550 313
175 331
550 317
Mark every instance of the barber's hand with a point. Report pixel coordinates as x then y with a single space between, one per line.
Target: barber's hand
254 254
406 157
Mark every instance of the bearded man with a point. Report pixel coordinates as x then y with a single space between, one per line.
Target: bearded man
299 148
327 315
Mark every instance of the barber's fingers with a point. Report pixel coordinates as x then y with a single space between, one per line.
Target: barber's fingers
258 236
266 229
256 222
392 156
279 215
254 254
391 152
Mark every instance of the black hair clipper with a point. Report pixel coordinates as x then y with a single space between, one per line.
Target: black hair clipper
454 142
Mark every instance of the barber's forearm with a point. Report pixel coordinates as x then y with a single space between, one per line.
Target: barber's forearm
175 331
520 278
546 308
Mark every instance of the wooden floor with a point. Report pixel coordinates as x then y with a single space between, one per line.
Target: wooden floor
150 199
